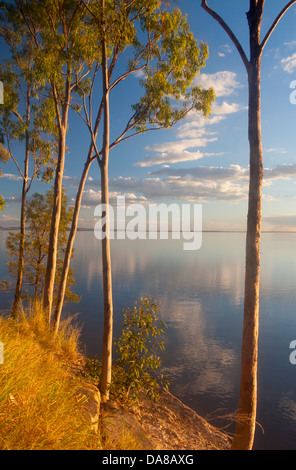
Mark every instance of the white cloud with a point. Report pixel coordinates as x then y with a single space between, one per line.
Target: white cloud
274 149
8 220
178 146
284 171
290 44
172 157
195 184
289 64
196 125
226 108
194 133
225 49
280 222
11 177
174 152
92 197
224 83
185 187
232 172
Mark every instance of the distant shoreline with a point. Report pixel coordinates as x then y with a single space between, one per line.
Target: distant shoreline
158 231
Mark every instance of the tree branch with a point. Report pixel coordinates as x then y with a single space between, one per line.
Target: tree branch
127 74
11 154
33 33
280 15
226 28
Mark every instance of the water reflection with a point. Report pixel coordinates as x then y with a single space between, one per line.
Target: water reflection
201 295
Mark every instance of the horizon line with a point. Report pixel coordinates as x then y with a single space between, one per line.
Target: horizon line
85 229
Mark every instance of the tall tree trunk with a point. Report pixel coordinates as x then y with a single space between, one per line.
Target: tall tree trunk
246 421
37 277
247 407
20 270
69 250
56 212
105 378
73 229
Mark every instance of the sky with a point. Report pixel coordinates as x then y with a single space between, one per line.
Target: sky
199 161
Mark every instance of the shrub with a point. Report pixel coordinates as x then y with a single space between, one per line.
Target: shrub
137 352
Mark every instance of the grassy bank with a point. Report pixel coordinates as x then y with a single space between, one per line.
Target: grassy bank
41 406
44 404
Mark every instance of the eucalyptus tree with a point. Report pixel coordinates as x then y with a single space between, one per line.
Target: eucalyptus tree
246 419
24 118
4 158
64 51
38 216
137 36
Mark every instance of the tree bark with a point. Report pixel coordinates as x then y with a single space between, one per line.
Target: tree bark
73 230
69 250
105 378
56 212
246 420
20 271
247 407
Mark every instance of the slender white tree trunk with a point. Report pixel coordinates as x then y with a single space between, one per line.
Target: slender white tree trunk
56 211
20 270
69 250
246 420
105 378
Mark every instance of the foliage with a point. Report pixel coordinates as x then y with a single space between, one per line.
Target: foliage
38 214
174 62
92 369
26 114
2 203
138 351
159 45
4 158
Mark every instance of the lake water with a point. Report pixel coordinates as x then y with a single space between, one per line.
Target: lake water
201 294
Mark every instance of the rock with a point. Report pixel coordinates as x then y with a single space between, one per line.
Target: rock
167 424
173 425
91 404
122 428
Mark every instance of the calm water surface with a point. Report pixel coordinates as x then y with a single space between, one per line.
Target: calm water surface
201 294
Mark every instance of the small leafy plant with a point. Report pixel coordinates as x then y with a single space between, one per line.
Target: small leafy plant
138 351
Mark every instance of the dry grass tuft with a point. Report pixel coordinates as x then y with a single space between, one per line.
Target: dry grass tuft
40 404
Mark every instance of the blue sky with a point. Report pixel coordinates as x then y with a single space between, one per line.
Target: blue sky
199 161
